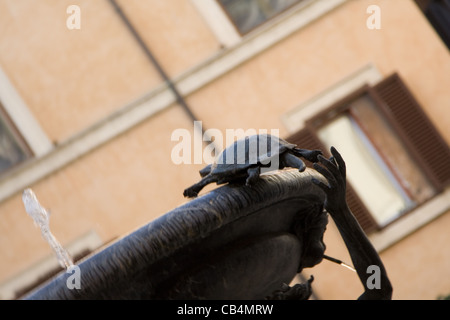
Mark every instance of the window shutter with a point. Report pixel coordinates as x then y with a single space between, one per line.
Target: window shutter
307 139
420 135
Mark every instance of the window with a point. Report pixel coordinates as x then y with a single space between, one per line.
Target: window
13 149
394 153
248 14
386 179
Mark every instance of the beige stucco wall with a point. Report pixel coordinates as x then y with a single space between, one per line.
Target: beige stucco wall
420 264
70 80
174 31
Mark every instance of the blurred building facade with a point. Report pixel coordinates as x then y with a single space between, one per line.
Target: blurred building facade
91 93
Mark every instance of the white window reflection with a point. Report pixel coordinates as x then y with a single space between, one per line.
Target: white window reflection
373 181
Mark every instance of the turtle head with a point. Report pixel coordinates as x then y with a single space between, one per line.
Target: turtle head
205 171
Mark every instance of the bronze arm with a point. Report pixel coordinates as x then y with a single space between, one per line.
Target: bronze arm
362 253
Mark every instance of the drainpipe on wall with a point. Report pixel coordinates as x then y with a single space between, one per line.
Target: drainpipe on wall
179 98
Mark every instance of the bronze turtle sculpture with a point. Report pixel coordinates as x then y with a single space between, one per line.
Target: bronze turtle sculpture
247 157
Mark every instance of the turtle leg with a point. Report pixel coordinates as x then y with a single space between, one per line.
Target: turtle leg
253 175
193 190
310 155
289 160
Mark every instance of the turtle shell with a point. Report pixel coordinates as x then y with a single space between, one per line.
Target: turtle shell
252 150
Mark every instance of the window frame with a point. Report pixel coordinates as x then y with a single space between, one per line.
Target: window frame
275 30
242 34
20 116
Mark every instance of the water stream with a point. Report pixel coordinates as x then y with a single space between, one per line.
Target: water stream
41 218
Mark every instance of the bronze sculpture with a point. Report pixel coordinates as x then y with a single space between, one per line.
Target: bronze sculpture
235 242
244 159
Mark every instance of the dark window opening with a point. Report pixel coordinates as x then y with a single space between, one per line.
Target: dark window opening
249 14
13 148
